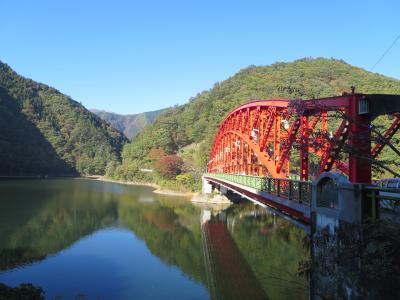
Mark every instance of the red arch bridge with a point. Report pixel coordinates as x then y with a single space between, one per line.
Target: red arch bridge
269 150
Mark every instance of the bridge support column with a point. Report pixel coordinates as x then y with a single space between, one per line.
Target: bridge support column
304 149
359 140
336 218
223 190
207 187
335 200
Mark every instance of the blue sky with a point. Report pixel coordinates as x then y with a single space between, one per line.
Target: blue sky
134 56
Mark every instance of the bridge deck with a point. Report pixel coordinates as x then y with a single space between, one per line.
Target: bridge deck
278 193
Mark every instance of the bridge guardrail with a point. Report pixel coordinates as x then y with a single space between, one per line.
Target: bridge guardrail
290 189
388 198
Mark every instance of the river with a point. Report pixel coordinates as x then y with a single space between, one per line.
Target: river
87 239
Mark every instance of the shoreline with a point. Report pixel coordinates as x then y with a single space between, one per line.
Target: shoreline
23 177
157 188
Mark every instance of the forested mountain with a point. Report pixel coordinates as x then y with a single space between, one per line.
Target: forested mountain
130 125
43 131
188 130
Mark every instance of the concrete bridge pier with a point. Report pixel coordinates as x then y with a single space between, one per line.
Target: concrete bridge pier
207 188
220 193
335 201
337 212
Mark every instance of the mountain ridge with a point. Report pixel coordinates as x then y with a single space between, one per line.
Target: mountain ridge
47 132
129 124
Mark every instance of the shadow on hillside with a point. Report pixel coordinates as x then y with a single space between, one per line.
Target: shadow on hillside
24 151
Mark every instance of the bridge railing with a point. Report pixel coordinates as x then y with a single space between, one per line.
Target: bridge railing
383 198
290 189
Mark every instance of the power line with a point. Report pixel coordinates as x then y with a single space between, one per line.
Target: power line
386 52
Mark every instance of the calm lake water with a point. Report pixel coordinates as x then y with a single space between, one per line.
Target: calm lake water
85 239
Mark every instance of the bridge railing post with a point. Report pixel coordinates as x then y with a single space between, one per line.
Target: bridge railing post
264 184
279 187
307 194
290 190
271 185
301 186
293 188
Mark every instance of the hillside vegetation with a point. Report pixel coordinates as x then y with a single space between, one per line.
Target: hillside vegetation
188 130
130 125
46 132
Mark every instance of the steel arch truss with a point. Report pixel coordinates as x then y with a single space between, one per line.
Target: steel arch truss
258 138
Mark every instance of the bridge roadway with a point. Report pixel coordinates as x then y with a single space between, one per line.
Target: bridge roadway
291 197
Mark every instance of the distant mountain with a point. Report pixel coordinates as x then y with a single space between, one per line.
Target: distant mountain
130 125
43 131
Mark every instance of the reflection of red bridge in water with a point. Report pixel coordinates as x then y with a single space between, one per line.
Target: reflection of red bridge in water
276 138
229 275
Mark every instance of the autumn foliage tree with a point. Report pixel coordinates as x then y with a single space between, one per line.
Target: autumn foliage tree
169 166
156 154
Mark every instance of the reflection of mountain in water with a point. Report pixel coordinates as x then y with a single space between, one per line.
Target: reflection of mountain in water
171 230
43 219
260 253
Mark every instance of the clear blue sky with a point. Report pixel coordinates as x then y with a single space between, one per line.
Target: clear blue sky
134 56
